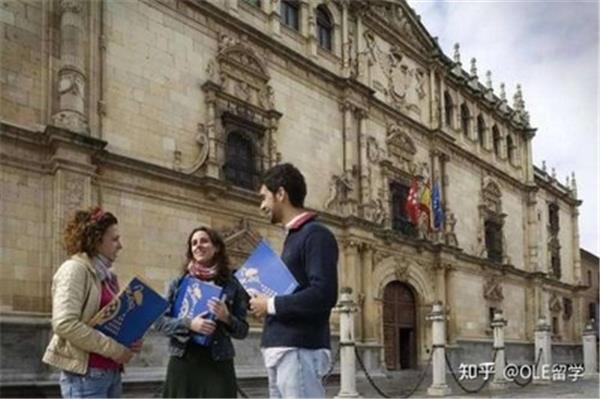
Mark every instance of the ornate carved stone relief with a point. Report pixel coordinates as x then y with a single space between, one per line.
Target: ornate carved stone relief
238 97
555 304
339 199
401 148
492 290
404 85
240 240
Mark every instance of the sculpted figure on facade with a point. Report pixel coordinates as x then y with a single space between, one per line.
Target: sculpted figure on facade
340 187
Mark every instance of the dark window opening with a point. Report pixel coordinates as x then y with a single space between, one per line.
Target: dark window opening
400 221
240 167
481 130
496 140
553 218
465 117
493 241
448 109
324 28
289 14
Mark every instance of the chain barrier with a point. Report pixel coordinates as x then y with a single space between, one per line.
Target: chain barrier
467 390
336 357
241 392
383 394
530 379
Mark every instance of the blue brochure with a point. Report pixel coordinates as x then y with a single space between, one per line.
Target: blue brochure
129 315
264 272
192 300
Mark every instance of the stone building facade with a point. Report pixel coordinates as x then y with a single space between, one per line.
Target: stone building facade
166 111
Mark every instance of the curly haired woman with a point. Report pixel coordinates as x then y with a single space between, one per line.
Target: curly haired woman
90 362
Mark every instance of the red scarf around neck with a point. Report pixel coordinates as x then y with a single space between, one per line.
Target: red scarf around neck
202 272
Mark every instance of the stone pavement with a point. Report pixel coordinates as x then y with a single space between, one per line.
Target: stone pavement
396 385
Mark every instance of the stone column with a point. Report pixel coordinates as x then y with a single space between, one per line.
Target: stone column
72 81
498 325
346 308
543 343
311 29
346 49
575 246
274 23
360 45
589 351
438 386
365 193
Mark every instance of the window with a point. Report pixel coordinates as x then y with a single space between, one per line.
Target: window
448 109
493 241
400 222
567 308
324 28
289 14
240 165
491 312
496 140
555 263
554 325
465 117
255 3
510 148
553 219
481 130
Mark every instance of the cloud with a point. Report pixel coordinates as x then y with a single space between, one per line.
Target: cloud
551 49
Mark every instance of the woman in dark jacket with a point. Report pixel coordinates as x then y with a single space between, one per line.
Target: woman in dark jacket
196 371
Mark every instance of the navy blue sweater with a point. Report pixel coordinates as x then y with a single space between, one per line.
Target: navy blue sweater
302 318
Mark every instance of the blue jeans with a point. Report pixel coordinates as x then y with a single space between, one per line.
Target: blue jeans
95 384
298 375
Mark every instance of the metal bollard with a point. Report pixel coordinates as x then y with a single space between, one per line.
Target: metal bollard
543 342
346 308
589 351
498 325
438 386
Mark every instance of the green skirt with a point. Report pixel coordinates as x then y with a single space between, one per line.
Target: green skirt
197 375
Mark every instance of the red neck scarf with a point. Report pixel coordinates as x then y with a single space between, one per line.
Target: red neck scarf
201 271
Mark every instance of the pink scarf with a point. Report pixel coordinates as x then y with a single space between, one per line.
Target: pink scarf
201 271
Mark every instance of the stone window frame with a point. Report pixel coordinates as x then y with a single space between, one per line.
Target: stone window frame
465 120
490 211
290 10
325 28
449 109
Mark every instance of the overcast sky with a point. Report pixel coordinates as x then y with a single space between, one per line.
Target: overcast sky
551 49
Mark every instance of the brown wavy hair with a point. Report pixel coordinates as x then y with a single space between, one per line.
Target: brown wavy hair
221 259
85 230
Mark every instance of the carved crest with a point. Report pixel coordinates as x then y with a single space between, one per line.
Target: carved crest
555 304
492 290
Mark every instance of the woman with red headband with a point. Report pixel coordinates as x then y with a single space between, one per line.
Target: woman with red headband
90 362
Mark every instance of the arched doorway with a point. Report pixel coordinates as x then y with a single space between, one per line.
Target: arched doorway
399 326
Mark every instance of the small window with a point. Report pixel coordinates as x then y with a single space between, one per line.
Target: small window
510 148
553 218
290 12
324 28
496 140
255 3
481 130
448 109
555 263
240 165
465 117
493 241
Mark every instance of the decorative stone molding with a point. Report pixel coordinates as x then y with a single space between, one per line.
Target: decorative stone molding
202 142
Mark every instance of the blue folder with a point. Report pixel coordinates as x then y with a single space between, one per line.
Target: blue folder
131 313
192 300
264 272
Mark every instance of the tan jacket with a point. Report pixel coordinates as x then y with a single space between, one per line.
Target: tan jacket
76 290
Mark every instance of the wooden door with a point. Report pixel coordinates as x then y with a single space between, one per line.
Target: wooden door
399 328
